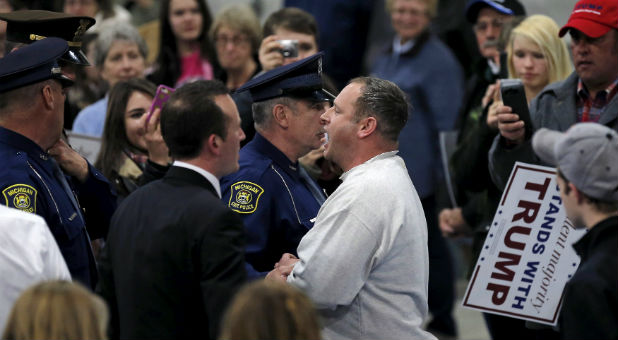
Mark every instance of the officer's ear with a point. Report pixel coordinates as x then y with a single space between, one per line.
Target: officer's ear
281 114
48 96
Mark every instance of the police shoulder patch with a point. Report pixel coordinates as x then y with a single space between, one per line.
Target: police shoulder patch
244 197
20 196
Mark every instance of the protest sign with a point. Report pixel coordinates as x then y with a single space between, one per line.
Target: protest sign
527 257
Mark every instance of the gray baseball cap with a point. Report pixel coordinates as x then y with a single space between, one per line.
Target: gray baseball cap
587 155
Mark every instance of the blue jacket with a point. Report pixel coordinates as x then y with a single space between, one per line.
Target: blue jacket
27 182
432 78
276 205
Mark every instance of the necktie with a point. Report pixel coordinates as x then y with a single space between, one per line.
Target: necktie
316 192
65 185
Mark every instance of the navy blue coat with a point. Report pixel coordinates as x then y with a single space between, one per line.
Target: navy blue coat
275 203
27 182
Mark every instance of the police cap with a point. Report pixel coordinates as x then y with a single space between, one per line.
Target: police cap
301 79
28 26
32 64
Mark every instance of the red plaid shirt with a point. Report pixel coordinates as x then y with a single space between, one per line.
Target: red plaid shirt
590 109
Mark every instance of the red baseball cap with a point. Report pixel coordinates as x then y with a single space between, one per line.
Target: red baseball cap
594 18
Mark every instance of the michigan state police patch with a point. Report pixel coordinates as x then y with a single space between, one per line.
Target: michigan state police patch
244 197
20 196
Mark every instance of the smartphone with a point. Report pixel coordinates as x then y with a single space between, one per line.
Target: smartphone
161 97
513 95
290 48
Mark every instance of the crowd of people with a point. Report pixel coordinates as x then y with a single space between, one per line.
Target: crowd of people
281 191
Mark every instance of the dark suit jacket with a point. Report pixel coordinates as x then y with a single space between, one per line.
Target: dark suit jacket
174 257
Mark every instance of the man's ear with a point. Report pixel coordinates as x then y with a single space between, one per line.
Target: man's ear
281 115
367 126
578 194
48 97
213 144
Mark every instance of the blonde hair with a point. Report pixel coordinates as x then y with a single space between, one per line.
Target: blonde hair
543 31
57 310
270 310
240 18
432 6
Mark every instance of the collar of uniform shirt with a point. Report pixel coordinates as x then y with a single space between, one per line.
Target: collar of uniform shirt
210 177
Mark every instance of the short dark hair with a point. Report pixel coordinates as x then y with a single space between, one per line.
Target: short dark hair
292 19
191 115
386 102
605 207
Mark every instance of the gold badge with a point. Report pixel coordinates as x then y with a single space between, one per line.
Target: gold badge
244 197
20 196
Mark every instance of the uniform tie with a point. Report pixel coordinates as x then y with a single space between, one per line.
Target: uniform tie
65 185
316 192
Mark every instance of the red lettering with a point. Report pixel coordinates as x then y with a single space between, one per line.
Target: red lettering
499 293
529 213
505 273
514 244
541 188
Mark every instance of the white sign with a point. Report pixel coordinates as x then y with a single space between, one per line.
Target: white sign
527 257
87 146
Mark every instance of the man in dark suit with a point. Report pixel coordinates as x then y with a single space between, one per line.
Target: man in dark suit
175 252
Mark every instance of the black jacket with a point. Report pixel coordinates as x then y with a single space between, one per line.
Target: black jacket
174 257
590 309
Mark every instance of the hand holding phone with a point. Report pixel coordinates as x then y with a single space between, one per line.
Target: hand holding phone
161 97
513 95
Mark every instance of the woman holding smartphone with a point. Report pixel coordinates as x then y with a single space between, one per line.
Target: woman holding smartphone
133 152
537 56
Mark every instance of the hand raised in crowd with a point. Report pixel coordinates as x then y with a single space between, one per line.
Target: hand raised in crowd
492 98
510 126
269 53
452 223
157 149
71 162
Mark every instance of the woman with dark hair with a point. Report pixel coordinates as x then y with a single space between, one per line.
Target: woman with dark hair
186 53
133 151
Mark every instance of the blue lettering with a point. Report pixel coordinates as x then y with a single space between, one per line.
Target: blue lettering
520 301
538 248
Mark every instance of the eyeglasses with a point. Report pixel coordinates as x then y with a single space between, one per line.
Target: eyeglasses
223 40
484 25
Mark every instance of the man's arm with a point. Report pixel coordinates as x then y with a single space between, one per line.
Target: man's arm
96 195
335 259
222 261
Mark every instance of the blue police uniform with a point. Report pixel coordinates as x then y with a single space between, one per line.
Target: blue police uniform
32 181
275 201
276 197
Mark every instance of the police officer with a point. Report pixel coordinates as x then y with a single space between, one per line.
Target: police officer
28 26
36 159
272 192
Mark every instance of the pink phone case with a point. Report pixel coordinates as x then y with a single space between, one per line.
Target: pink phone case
163 95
